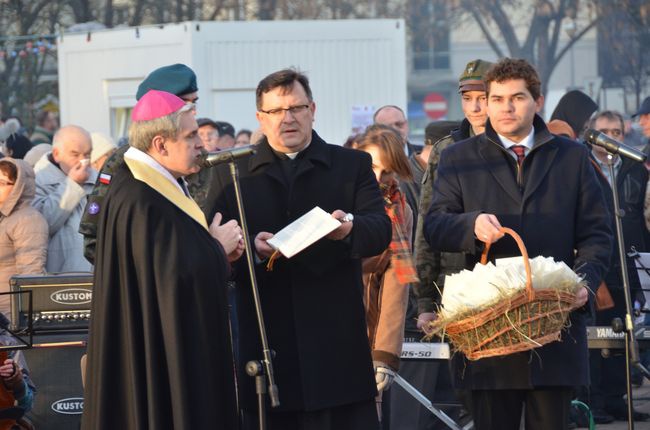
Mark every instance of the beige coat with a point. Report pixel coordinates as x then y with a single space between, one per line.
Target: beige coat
23 233
385 299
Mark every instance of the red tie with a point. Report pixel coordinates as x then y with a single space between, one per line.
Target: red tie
520 150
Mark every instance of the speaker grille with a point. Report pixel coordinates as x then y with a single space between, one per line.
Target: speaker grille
56 372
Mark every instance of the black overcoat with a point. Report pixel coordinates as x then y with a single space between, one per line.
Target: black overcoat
312 303
159 354
559 211
631 180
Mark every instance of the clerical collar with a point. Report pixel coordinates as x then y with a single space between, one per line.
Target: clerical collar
143 157
291 155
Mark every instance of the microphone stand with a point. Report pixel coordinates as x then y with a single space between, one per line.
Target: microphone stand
631 345
260 371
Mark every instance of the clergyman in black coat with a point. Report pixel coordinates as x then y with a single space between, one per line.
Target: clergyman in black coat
312 302
159 352
552 199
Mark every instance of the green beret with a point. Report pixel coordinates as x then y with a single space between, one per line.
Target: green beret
472 77
177 79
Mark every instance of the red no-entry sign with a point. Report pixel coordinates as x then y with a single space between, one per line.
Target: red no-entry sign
435 105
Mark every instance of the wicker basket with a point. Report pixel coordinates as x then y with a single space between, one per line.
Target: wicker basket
527 320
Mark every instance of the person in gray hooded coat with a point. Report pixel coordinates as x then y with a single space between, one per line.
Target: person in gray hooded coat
23 230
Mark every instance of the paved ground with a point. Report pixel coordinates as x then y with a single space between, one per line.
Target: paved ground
641 398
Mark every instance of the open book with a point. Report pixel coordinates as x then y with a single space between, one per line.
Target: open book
304 231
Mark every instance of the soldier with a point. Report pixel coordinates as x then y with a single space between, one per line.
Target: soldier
432 267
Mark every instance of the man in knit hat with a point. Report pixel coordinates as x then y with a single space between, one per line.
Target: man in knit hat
159 305
177 79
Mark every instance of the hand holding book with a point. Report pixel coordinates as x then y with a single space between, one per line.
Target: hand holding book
309 228
344 229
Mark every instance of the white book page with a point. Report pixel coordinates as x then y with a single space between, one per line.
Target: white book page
304 231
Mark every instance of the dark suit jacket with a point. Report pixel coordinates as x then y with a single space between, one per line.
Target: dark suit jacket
631 180
559 209
312 303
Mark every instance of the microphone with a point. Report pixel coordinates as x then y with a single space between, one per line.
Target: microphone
209 159
613 146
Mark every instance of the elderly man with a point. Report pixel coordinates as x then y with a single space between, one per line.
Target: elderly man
63 180
177 79
516 174
159 354
608 375
312 302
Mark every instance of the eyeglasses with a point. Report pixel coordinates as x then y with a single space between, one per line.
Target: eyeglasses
279 112
614 132
5 183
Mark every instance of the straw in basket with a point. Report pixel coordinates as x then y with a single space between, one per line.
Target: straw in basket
525 320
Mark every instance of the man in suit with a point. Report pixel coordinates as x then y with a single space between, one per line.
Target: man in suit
312 302
520 176
394 116
608 383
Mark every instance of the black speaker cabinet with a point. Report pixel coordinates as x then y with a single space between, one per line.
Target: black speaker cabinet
56 372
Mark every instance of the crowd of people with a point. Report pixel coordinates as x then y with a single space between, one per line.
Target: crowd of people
169 335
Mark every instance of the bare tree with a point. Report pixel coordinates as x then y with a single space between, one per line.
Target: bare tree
108 14
333 9
25 58
624 36
218 7
266 10
541 44
81 10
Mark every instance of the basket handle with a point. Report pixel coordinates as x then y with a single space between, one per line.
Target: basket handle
524 253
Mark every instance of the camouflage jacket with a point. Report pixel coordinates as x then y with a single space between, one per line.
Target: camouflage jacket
198 185
432 267
90 217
